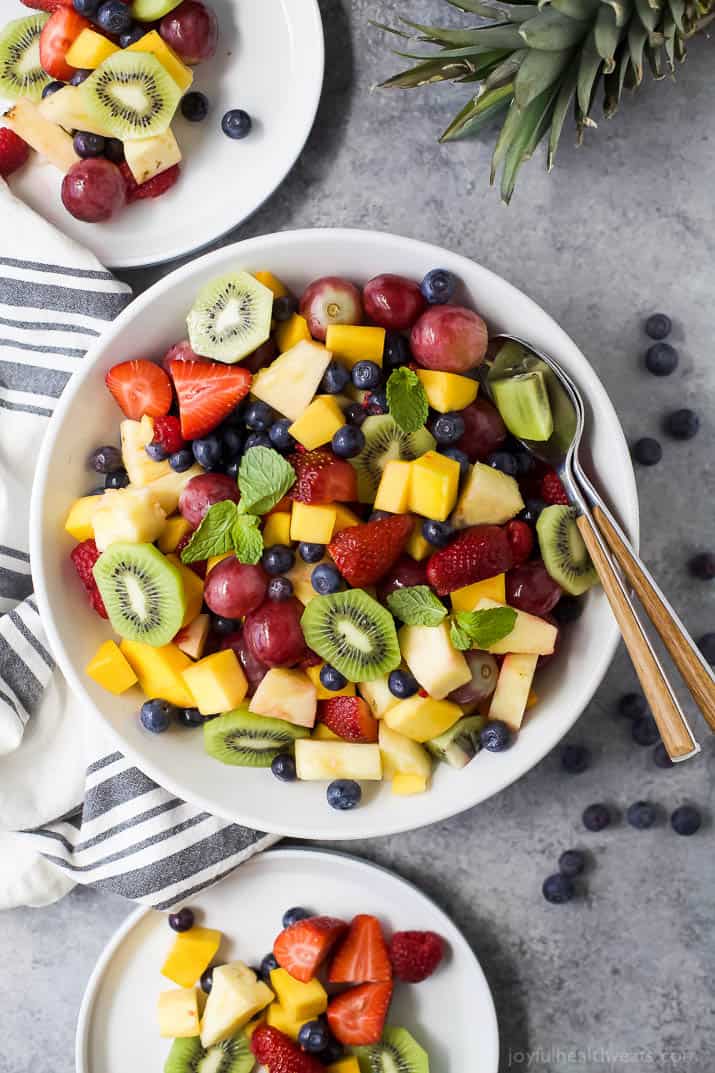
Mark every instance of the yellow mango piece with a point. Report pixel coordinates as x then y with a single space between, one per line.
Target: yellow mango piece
159 671
434 485
325 694
492 588
401 755
193 590
272 282
406 785
175 529
352 343
301 1002
110 669
323 733
447 391
251 1027
345 1065
393 492
191 954
422 718
344 518
532 700
79 520
89 49
417 546
276 529
215 560
217 682
292 331
318 424
312 523
178 1013
279 1018
169 60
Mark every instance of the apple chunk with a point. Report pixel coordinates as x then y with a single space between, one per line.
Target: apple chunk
513 686
288 695
337 760
291 381
435 662
531 634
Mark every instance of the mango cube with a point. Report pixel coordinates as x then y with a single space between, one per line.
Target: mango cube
345 1065
79 520
318 424
402 755
292 331
434 661
175 529
191 954
267 278
434 485
217 682
492 588
447 391
159 671
417 547
193 590
286 694
323 733
312 523
406 785
302 1002
89 49
276 529
169 60
178 1013
344 518
279 1018
422 718
321 692
110 669
337 760
236 996
351 343
511 696
393 492
215 560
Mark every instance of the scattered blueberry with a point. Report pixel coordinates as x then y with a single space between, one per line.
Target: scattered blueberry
326 579
658 326
156 451
706 644
313 1037
682 424
279 589
182 460
632 706
280 437
106 460
224 626
661 758
575 758
283 767
645 731
567 610
458 456
293 915
532 510
438 286
344 794
119 478
524 459
558 888
114 17
335 379
181 921
80 75
703 566
685 820
448 428
647 451
437 533
366 375
402 684
332 1053
207 981
505 462
232 441
232 468
191 717
311 553
641 815
572 862
51 88
332 679
114 150
156 715
132 35
661 359
277 560
258 417
596 817
268 964
348 442
236 123
207 451
495 737
87 8
194 106
284 308
377 402
257 439
396 351
355 414
86 144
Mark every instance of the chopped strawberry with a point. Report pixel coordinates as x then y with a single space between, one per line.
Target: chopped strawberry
348 717
364 553
480 552
140 387
552 490
152 187
84 556
47 5
207 393
303 947
167 433
521 539
181 351
14 151
279 1054
56 38
362 957
357 1017
322 478
415 954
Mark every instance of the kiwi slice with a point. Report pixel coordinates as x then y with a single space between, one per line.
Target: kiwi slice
230 1056
397 1052
152 10
523 403
131 95
21 73
384 442
247 740
353 633
460 744
231 317
563 550
142 592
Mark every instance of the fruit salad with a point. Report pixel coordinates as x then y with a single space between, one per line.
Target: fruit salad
96 85
319 1001
318 542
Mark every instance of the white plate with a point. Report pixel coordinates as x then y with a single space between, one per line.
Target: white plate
452 1014
269 61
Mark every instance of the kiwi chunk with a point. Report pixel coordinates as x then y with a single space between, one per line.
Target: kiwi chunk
397 1052
523 403
386 442
230 1056
353 633
247 740
460 744
21 73
152 10
563 550
230 318
142 592
131 95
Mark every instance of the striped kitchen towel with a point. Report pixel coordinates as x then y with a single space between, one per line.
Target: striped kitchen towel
127 835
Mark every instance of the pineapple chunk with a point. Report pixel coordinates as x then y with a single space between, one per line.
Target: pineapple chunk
159 673
141 469
192 953
176 529
434 485
267 278
179 1013
344 518
422 718
447 391
434 661
110 669
312 523
407 785
289 384
89 49
511 696
169 60
489 497
127 514
66 109
217 682
193 590
393 492
351 343
299 577
402 755
235 997
79 522
168 488
192 639
492 588
417 547
291 332
337 760
147 157
531 634
301 1001
276 529
321 692
279 1018
284 694
46 138
319 423
378 696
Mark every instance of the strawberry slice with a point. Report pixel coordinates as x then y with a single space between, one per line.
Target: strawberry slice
357 1017
322 478
279 1054
552 490
364 553
140 387
362 956
207 392
350 718
480 552
303 947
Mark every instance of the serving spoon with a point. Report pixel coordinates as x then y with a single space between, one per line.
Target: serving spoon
600 531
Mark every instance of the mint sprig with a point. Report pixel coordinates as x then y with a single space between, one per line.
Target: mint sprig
407 399
224 529
416 605
481 629
247 538
264 478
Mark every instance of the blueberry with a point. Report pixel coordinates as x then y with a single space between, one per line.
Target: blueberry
596 817
293 915
326 579
258 417
575 758
661 758
279 589
495 737
458 456
332 1053
447 428
682 424
117 479
87 8
181 921
402 684
313 1037
114 150
377 402
207 451
645 731
191 717
156 715
257 439
236 123
366 375
647 451
80 75
231 468
632 706
335 379
348 442
524 460
706 644
114 17
223 626
438 286
106 460
277 559
380 515
558 888
132 35
658 326
311 553
283 767
661 359
567 610
86 144
207 980
268 964
686 820
284 308
396 351
232 441
355 414
641 815
572 862
332 679
437 533
344 794
703 566
532 510
194 106
504 461
280 437
51 88
182 460
156 451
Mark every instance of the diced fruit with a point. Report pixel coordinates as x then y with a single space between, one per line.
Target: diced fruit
344 1065
552 490
303 947
401 755
350 343
278 288
492 588
193 590
175 529
323 733
140 387
378 696
276 529
530 635
417 547
133 94
393 493
286 694
523 402
234 589
434 661
484 430
407 785
385 441
530 588
396 1050
312 524
147 157
192 639
322 478
179 1013
349 717
236 996
141 469
327 694
422 718
153 187
563 550
159 671
300 578
110 669
66 108
233 1054
291 332
84 556
191 29
449 339
217 682
344 518
477 553
127 515
246 740
489 497
169 488
434 485
201 492
357 1017
206 392
461 743
59 32
172 64
22 74
289 384
93 190
301 1001
273 633
513 687
79 522
192 952
330 300
392 301
327 760
364 553
415 955
362 955
14 152
277 1052
353 633
318 423
277 1017
448 391
215 560
484 670
89 49
47 139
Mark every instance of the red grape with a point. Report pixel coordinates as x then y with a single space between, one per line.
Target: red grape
264 355
404 574
484 430
180 351
191 29
531 588
93 190
273 633
254 670
202 492
393 302
330 300
235 589
450 339
484 679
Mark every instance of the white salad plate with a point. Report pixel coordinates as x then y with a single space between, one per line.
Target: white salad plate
270 62
451 1014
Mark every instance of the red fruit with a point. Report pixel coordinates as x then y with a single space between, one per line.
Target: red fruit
531 588
364 553
393 302
57 35
207 392
484 430
357 1017
14 151
415 954
303 947
552 490
330 300
477 553
279 1054
362 956
450 339
406 573
322 478
261 357
350 718
93 190
84 556
167 432
47 5
181 352
140 387
521 539
191 29
202 491
310 659
154 187
273 634
254 670
235 589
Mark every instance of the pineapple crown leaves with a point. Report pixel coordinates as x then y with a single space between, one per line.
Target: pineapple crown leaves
536 60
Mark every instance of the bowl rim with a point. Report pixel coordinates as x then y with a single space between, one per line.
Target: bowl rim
591 387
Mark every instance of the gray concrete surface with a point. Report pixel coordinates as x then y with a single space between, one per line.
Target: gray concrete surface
621 979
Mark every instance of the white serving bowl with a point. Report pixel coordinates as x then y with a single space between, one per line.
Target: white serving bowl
87 416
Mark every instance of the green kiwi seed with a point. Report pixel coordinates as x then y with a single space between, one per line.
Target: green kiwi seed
231 317
397 1052
460 744
564 553
131 95
231 1055
142 592
247 740
353 633
21 73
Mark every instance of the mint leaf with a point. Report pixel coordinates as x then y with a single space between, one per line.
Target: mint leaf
416 605
459 637
247 538
407 399
485 628
213 536
263 479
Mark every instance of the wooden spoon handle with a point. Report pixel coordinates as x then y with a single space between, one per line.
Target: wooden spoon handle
673 728
674 636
